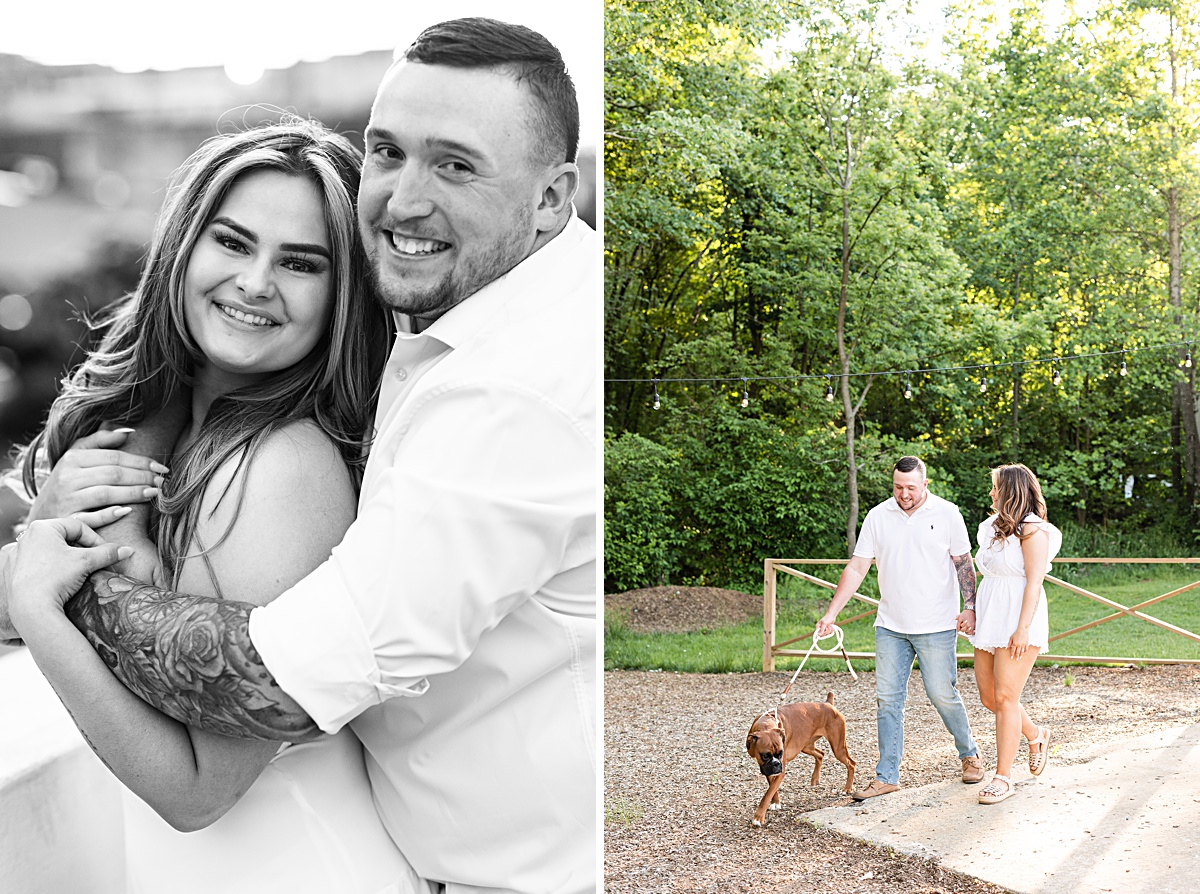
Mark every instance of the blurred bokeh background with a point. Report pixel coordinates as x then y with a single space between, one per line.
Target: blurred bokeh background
100 102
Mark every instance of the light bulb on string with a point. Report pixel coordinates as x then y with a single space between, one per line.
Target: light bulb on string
983 385
1187 361
745 394
1057 379
908 386
657 402
1124 368
829 388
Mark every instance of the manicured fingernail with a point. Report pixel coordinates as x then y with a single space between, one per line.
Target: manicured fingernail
124 552
125 431
158 480
150 493
159 468
122 510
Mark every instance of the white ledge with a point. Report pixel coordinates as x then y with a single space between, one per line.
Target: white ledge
60 812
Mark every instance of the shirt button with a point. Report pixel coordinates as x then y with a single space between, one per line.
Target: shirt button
402 374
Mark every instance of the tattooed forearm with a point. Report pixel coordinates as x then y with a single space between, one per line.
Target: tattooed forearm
189 656
966 580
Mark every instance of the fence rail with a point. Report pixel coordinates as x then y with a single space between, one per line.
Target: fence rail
773 650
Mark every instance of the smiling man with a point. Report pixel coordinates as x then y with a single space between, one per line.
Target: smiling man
458 189
454 627
919 542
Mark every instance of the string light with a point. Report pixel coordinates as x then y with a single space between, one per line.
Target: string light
1187 361
657 402
829 388
745 394
983 385
908 386
1124 368
1057 379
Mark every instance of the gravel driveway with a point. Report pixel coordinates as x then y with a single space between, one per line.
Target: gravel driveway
680 788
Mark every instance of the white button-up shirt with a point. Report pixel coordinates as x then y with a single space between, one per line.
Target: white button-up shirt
467 586
918 584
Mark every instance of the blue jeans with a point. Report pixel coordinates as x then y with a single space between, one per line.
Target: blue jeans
894 653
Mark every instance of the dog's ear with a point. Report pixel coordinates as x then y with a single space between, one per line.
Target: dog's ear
750 740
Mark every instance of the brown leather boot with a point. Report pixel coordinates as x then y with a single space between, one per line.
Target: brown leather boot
972 770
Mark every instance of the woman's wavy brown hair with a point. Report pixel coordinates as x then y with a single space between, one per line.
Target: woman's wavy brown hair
146 356
1018 495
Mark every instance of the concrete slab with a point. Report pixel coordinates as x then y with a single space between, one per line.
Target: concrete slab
1125 821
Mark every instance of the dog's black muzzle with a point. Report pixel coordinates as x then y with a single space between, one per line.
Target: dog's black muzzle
771 765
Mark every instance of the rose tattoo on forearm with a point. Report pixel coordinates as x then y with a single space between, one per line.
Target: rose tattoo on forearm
189 656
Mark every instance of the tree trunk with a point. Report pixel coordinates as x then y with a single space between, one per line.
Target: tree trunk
847 403
1016 416
1183 394
1177 462
1191 437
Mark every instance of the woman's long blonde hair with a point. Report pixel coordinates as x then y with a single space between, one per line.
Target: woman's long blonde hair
146 356
1018 495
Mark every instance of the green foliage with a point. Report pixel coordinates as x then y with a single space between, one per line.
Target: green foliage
829 209
641 539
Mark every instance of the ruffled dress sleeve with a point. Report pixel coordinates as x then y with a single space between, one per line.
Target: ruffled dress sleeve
1055 535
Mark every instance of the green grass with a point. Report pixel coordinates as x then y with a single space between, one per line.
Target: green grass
1128 585
618 810
799 604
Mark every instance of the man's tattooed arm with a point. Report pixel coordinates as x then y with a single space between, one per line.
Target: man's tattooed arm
189 656
966 580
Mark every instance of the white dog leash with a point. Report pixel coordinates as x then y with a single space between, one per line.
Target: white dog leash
821 650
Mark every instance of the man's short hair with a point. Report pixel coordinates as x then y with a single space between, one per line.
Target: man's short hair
521 52
908 463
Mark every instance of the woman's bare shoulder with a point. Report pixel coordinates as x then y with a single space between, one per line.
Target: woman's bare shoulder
295 493
296 461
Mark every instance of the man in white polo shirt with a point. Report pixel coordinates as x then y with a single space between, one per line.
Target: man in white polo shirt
920 544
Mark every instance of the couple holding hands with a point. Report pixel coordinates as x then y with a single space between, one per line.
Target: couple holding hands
358 512
920 544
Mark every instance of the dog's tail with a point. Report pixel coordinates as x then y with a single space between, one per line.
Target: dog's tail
829 699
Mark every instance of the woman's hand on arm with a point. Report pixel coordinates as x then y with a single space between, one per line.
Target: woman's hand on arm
49 563
95 473
109 488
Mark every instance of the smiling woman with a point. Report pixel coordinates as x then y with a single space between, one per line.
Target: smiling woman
257 293
261 222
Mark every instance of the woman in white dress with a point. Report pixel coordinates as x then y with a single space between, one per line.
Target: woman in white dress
252 300
1011 625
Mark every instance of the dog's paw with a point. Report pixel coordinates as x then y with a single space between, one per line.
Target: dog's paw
774 806
756 823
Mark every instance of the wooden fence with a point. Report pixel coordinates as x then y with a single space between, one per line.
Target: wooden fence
772 649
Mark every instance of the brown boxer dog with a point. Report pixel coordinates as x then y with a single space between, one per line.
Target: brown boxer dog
779 735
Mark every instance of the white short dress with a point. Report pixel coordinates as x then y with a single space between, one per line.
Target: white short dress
998 602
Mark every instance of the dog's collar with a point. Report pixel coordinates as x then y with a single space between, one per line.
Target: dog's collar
774 714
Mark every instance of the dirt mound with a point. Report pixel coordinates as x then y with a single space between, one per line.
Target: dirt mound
682 609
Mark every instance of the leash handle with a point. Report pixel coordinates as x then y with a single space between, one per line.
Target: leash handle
837 647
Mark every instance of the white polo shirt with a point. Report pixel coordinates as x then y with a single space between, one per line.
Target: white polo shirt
455 626
918 586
